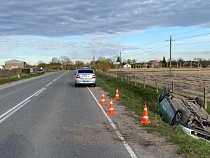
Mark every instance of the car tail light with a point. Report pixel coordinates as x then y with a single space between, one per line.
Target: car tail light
94 76
77 76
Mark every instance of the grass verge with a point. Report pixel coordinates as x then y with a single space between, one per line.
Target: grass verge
15 78
133 98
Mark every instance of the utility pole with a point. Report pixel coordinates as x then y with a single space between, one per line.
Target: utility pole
120 60
170 52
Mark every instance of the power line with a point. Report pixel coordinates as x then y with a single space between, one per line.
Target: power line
193 43
188 31
160 43
194 36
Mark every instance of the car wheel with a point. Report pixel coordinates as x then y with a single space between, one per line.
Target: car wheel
75 85
165 92
94 85
180 116
199 101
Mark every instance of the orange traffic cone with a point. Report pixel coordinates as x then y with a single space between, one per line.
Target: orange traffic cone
103 101
117 96
111 108
145 118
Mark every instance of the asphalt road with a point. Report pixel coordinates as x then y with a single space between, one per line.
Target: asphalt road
47 117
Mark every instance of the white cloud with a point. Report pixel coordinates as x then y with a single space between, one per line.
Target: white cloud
37 27
69 17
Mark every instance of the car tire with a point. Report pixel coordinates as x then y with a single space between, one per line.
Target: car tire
199 101
180 116
165 92
75 85
94 85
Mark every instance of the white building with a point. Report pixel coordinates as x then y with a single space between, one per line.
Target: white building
126 66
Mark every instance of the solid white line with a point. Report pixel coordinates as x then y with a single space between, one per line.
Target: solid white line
6 113
40 91
127 146
18 106
37 92
10 113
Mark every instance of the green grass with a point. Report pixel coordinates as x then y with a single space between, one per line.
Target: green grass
133 98
15 78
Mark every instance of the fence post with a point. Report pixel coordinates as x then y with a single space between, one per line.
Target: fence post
172 87
128 78
205 98
156 85
135 79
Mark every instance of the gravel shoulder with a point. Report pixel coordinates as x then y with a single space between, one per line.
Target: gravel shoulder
144 144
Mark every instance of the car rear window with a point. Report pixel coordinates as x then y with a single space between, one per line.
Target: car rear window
85 71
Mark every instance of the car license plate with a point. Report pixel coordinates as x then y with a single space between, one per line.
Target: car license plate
85 81
84 76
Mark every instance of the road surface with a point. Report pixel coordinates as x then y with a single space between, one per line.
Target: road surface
47 117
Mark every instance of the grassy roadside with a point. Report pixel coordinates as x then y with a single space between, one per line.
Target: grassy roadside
134 96
15 78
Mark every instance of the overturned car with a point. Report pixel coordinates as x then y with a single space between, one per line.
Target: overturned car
189 114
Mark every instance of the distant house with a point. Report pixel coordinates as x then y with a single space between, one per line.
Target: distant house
13 64
1 67
126 66
153 63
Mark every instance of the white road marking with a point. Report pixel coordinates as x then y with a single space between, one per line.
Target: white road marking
40 91
127 146
10 112
18 106
48 84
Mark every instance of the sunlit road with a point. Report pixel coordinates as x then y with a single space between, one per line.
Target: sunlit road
48 117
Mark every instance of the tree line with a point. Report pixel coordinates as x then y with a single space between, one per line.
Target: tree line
65 63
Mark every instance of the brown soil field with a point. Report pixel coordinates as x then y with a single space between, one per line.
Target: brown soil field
185 80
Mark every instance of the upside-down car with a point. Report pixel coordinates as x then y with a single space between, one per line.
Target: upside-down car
189 114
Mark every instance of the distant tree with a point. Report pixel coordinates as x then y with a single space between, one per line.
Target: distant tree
65 61
55 61
204 63
103 64
173 62
180 62
124 62
119 59
79 64
109 60
164 63
129 61
134 63
42 64
101 58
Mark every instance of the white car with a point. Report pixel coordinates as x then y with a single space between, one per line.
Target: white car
40 71
85 76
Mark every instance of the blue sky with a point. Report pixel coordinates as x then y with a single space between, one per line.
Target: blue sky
34 31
